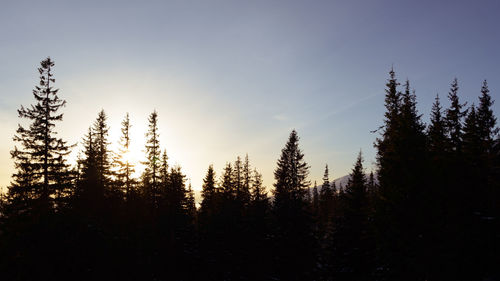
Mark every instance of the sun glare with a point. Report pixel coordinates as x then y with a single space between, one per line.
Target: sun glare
135 154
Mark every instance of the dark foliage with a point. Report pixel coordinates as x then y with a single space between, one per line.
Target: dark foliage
430 212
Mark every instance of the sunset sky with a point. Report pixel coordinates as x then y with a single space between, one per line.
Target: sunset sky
234 77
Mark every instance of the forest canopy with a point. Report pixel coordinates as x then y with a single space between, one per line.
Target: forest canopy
429 212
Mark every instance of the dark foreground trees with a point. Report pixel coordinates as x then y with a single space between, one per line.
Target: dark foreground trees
42 173
429 212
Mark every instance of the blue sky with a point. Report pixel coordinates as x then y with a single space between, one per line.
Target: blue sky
234 77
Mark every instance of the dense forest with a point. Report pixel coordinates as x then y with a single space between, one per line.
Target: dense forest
429 212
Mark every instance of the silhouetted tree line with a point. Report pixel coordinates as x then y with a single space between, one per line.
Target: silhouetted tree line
430 212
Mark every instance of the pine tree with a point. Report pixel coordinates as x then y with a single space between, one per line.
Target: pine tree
208 191
454 118
125 167
164 169
486 119
403 192
472 137
353 239
326 198
87 185
386 148
356 188
437 130
101 146
40 161
151 175
486 122
439 148
247 182
392 103
176 193
292 222
190 202
258 191
291 174
227 184
238 182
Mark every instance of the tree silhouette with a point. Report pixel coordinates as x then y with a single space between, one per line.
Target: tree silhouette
454 118
125 167
151 177
326 198
355 233
208 191
401 151
292 223
40 161
103 154
428 212
290 174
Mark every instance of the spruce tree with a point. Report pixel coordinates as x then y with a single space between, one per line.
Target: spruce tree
247 182
386 144
402 174
176 195
190 202
454 118
40 161
356 188
164 177
258 191
326 198
486 119
87 185
472 137
151 175
437 130
102 152
164 168
227 184
208 191
237 180
292 222
488 132
125 168
353 237
438 148
290 174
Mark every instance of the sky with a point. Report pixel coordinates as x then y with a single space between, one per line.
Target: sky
229 78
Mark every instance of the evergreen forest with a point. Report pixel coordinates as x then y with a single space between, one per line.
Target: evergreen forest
430 211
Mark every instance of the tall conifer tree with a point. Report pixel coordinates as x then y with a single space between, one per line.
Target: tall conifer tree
355 233
258 191
40 161
101 146
486 119
226 183
291 173
454 118
208 191
292 223
326 197
402 174
125 167
151 174
437 129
